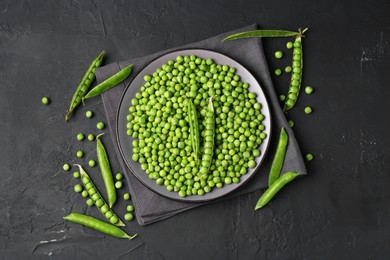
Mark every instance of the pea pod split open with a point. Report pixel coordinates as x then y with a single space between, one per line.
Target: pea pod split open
84 84
98 225
97 199
194 127
110 82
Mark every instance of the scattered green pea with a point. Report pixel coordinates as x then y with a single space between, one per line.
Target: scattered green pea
278 54
309 157
66 167
288 69
100 125
118 176
289 45
84 193
282 97
90 202
79 154
80 137
78 188
129 217
118 184
91 137
278 72
126 196
308 90
88 114
76 175
130 208
308 110
45 101
290 123
92 163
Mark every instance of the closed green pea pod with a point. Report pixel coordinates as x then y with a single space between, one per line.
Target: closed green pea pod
110 82
105 169
275 188
280 153
97 225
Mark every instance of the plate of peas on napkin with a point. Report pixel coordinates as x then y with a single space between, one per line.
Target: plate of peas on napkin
193 125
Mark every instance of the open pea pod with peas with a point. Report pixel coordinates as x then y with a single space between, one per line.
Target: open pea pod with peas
297 61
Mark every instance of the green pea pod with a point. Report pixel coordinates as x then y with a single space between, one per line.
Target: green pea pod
275 188
98 225
105 169
97 198
277 163
261 33
110 82
297 71
83 87
208 150
194 128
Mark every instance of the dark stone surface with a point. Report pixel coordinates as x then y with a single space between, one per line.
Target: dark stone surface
340 210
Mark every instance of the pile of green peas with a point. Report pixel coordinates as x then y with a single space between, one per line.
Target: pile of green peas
158 122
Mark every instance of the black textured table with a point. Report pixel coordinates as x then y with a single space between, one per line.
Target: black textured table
341 210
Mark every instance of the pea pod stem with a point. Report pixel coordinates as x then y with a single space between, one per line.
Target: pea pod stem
105 169
277 163
110 82
275 188
98 225
83 175
84 85
261 33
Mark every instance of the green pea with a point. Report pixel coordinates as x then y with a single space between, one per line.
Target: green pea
114 219
100 125
78 188
282 97
91 137
278 72
45 101
66 167
129 217
291 123
289 45
118 184
91 163
278 54
99 203
126 196
309 157
76 175
308 90
90 202
104 209
252 164
288 69
308 110
79 154
118 176
80 137
88 114
84 193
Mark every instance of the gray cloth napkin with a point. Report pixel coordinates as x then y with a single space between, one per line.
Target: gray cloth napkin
151 207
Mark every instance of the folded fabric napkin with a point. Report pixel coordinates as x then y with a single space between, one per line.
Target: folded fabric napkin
150 206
